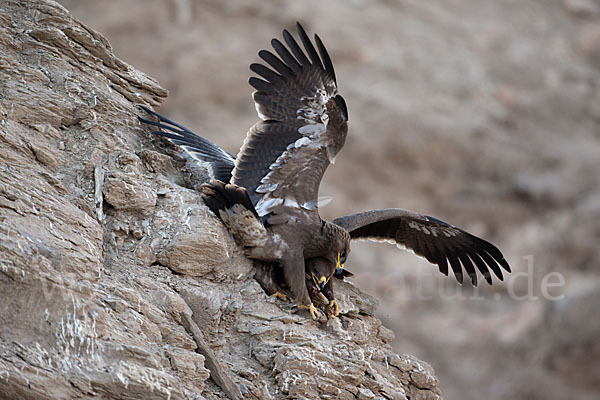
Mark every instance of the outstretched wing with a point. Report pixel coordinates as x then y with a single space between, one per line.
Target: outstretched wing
437 241
201 149
303 126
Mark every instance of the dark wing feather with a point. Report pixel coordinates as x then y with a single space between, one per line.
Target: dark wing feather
304 125
201 149
293 45
285 55
325 56
435 240
275 63
310 49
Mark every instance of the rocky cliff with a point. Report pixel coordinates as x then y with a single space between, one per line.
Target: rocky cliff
483 113
115 279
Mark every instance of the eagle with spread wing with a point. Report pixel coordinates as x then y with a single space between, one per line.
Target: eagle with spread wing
267 195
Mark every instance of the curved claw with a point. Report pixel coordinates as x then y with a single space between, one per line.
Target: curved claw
280 296
313 310
335 309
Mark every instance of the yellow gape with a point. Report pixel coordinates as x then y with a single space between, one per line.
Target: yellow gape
338 265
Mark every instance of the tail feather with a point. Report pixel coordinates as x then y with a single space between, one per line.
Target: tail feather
220 196
232 205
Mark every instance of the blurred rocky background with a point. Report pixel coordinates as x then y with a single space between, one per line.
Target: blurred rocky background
483 113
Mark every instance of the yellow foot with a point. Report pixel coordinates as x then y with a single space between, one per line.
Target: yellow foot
313 310
335 309
280 296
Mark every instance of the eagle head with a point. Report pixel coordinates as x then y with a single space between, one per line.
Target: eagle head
339 244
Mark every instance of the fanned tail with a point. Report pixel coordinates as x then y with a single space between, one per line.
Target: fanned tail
220 196
232 205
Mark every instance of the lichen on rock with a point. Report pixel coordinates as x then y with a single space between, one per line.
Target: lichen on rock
103 249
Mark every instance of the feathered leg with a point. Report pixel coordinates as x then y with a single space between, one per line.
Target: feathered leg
269 276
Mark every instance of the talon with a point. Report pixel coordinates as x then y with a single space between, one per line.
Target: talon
313 310
335 309
280 296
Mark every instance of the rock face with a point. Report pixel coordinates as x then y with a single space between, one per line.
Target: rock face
106 251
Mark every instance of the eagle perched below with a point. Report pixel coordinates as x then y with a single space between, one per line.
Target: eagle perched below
267 195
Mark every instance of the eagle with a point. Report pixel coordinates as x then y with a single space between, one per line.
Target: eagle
267 195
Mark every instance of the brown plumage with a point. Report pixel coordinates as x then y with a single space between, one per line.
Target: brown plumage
437 241
268 197
287 244
318 278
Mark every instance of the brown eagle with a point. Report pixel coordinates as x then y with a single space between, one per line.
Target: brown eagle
267 196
